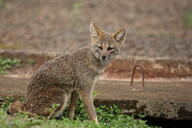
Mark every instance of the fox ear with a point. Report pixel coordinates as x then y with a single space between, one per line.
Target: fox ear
120 35
96 33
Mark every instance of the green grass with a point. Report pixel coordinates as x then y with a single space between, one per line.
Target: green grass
2 2
6 63
109 117
31 61
188 19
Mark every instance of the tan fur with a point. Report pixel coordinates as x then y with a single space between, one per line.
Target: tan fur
73 74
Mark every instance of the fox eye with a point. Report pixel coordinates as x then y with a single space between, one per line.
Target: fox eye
99 47
110 48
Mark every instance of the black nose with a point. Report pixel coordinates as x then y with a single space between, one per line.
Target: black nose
104 57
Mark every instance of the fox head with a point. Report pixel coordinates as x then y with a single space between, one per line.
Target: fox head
105 46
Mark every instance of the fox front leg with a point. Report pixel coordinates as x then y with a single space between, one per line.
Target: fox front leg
73 102
89 106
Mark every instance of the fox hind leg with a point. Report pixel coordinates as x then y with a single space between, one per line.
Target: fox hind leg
49 104
59 111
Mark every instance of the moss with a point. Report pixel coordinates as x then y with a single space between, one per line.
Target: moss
188 19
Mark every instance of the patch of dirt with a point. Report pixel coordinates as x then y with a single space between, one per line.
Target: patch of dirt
155 28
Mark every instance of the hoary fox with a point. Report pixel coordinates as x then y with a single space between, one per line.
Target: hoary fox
70 75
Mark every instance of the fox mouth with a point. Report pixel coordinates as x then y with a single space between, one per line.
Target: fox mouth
104 60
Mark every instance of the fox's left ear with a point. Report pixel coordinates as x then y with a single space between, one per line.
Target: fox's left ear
120 35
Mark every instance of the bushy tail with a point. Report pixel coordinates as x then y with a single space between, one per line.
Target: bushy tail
15 107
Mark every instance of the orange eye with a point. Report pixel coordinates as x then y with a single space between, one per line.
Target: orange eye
110 48
99 47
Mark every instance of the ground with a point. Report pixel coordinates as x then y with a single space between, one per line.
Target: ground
155 28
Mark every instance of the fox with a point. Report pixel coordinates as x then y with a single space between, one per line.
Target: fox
70 76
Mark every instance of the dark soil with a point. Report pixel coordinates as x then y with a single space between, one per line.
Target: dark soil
167 123
155 28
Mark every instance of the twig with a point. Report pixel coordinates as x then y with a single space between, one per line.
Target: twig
133 73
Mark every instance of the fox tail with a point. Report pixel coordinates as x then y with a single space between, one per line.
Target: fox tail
15 107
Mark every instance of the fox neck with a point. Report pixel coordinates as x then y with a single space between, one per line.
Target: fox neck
97 62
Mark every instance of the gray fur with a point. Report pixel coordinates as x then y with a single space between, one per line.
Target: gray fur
71 74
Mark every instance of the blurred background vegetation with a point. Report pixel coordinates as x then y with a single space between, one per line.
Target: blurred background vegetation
161 28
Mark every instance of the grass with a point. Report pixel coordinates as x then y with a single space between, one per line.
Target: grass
188 19
76 14
6 63
1 2
31 61
109 117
